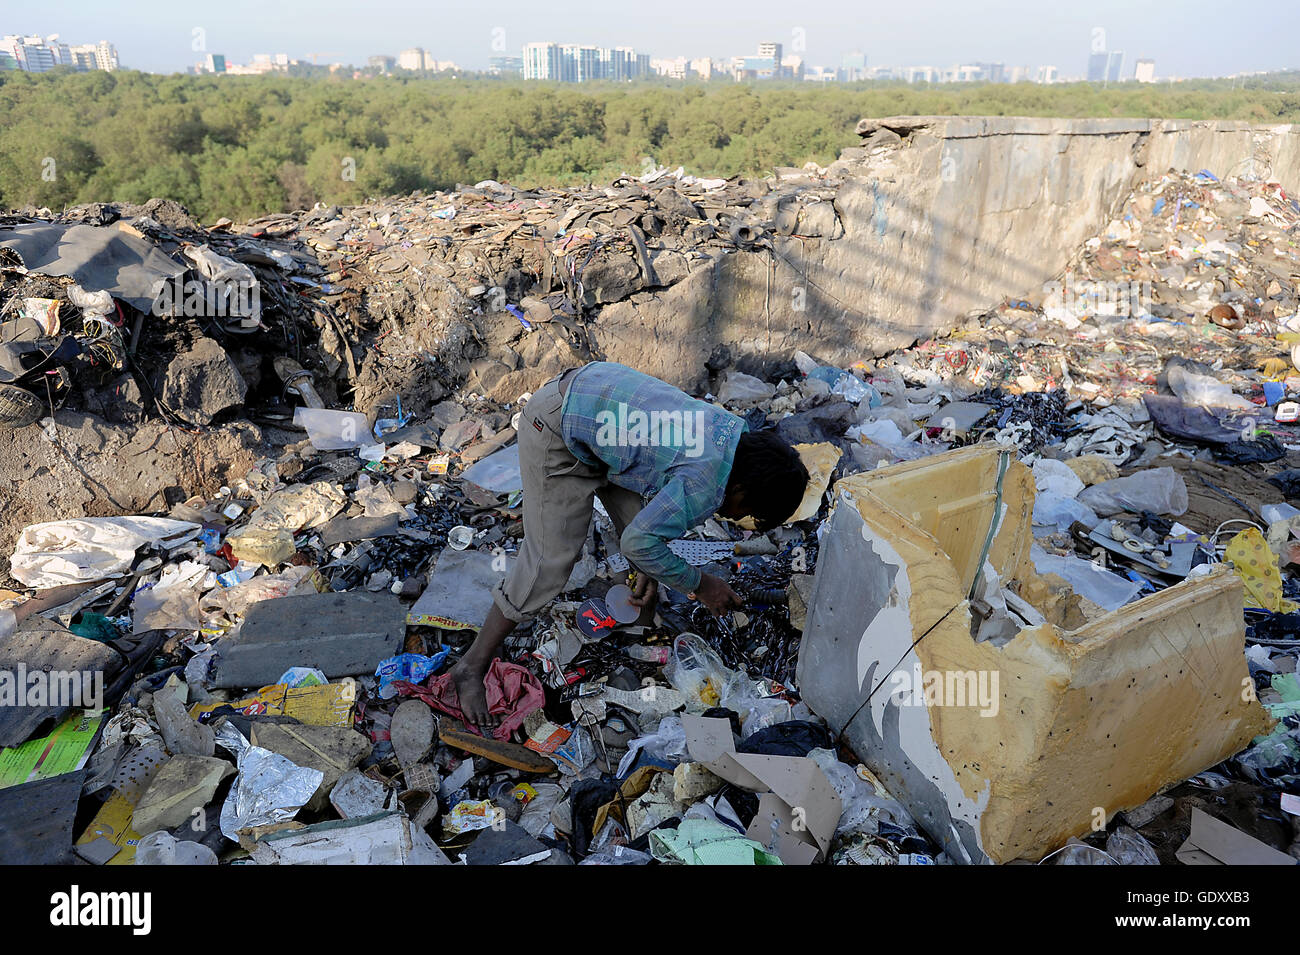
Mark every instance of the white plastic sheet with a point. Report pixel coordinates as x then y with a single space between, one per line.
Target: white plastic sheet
89 548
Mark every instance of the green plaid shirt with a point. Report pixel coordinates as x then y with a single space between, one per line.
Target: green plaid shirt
672 449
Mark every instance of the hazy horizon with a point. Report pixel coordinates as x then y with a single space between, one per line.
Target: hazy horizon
1186 39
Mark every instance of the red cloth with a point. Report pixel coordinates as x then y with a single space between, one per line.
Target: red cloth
512 693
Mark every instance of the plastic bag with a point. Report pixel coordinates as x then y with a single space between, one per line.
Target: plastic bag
618 855
861 808
1127 847
159 848
1158 490
667 743
742 389
1204 390
698 673
1109 591
1056 477
1057 509
1080 853
89 548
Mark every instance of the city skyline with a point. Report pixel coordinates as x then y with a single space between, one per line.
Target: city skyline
158 37
578 63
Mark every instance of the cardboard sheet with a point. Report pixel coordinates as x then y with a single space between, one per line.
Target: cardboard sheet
799 799
1216 843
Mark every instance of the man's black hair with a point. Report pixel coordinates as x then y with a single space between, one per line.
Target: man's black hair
772 475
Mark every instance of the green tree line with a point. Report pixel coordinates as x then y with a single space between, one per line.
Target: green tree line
243 146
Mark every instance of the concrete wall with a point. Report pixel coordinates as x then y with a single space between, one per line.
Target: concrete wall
940 221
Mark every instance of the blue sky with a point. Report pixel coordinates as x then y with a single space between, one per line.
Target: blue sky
1184 37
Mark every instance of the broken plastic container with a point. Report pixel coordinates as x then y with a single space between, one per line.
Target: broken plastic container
618 601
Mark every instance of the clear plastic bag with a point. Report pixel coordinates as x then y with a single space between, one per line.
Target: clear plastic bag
618 855
668 743
698 673
1159 490
861 808
159 848
1127 847
1205 390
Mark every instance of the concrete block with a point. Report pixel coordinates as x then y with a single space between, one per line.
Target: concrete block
342 634
1005 752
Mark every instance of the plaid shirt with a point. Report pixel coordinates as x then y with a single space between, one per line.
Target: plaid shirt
672 449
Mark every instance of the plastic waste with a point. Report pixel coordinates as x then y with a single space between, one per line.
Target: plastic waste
618 855
330 430
269 787
861 807
181 733
1056 477
1204 390
160 848
742 389
89 548
1127 847
411 667
667 743
1061 511
1278 512
1109 591
698 673
1159 490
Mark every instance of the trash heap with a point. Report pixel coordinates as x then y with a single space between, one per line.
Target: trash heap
274 656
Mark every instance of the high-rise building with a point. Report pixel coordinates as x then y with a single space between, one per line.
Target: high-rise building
541 61
702 67
412 59
1144 71
580 63
105 56
770 50
62 52
32 53
214 63
36 55
1046 74
1114 64
506 65
381 62
854 66
1097 67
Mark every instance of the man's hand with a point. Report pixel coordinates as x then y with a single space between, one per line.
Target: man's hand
716 595
644 591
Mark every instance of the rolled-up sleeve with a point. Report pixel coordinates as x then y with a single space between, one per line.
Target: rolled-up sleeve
668 516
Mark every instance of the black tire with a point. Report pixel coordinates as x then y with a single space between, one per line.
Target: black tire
19 408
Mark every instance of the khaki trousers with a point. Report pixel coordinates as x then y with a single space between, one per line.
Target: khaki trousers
559 493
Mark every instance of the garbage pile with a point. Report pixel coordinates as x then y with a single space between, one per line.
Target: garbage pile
272 659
